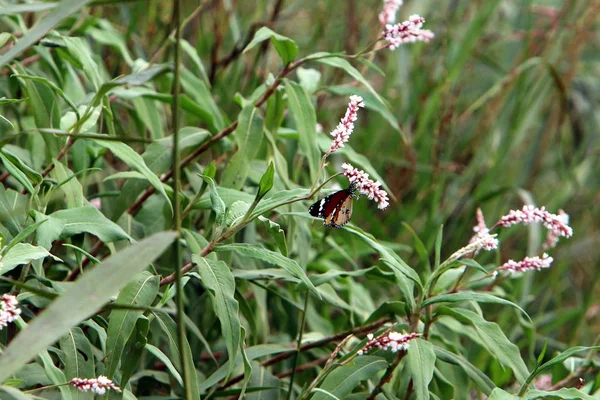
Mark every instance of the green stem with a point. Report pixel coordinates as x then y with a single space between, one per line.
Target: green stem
298 345
186 368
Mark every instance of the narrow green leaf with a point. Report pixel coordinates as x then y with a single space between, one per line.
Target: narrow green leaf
23 253
15 167
421 361
276 233
496 341
484 383
499 394
260 253
217 203
21 236
135 161
80 300
140 292
563 356
286 47
564 394
305 117
248 137
70 185
342 380
218 280
15 394
79 354
472 296
156 352
39 30
266 182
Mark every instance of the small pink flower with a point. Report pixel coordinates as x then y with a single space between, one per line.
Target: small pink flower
530 214
99 385
489 242
360 180
528 264
8 310
392 341
390 8
407 32
341 134
552 237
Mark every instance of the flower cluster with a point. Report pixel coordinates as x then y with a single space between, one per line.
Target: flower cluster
99 385
528 264
360 180
488 242
407 32
8 310
392 341
553 236
530 214
390 8
341 134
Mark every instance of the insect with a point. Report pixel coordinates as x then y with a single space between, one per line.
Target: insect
335 209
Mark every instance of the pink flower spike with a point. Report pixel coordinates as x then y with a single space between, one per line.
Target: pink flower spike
390 8
99 385
360 180
407 32
488 242
530 214
553 237
341 134
528 264
8 310
392 341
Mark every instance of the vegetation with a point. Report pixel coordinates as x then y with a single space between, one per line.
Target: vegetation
158 160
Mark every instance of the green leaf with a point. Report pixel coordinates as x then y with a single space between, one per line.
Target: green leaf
217 203
135 161
218 280
66 223
21 236
560 358
266 182
484 383
20 171
140 292
276 233
342 380
421 361
499 394
69 185
81 300
248 137
39 30
23 253
471 296
286 47
260 253
79 354
344 65
305 117
15 394
156 352
492 335
564 394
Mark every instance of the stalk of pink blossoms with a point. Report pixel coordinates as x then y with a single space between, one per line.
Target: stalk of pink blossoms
530 214
8 310
360 180
528 264
553 236
390 8
341 134
407 32
98 385
392 341
488 242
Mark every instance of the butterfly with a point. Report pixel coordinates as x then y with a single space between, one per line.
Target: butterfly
335 209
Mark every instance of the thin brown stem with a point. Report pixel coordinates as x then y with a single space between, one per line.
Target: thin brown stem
387 376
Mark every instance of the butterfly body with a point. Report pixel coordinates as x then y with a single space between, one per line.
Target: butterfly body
335 209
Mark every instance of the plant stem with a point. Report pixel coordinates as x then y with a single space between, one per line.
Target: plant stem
180 317
298 345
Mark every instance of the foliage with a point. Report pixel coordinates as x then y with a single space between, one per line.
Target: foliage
131 150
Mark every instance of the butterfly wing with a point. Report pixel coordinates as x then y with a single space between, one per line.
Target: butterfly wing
336 208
